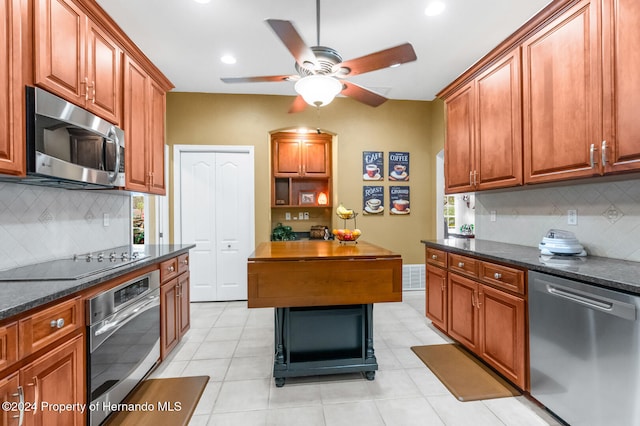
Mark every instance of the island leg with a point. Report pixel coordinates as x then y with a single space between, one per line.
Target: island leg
279 363
370 357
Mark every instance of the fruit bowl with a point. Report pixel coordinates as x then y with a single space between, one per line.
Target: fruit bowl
344 235
348 215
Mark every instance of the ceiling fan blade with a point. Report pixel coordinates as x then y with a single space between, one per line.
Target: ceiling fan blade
298 105
260 79
288 34
375 61
361 94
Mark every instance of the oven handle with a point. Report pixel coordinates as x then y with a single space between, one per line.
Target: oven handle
120 319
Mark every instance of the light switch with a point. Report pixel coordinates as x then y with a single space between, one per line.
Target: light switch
306 215
301 216
572 217
494 215
105 219
287 216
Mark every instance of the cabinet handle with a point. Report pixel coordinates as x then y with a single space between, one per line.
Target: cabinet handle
592 156
470 177
59 323
171 268
84 83
460 264
93 92
473 303
603 153
434 256
497 275
178 290
36 403
444 284
478 296
475 178
20 395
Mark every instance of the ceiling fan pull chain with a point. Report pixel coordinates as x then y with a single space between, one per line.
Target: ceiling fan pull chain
318 22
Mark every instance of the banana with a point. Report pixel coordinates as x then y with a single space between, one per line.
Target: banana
341 210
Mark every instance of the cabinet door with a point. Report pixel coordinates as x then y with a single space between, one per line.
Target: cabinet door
316 161
463 311
287 157
436 296
458 148
185 304
103 73
136 83
156 138
561 92
9 393
621 77
503 333
169 329
498 144
59 49
57 377
12 157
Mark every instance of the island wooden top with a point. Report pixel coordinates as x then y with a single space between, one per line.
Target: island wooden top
318 250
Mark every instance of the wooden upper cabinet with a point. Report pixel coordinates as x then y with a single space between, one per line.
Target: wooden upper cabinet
144 119
483 149
498 152
12 126
75 59
306 155
621 79
458 148
561 97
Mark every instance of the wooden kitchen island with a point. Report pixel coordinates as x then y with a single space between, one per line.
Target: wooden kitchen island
323 294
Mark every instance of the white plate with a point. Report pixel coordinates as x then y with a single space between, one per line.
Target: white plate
402 176
396 211
370 210
376 177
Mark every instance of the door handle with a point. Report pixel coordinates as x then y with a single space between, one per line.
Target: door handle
603 153
20 395
592 155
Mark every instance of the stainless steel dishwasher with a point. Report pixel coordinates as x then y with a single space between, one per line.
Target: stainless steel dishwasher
584 351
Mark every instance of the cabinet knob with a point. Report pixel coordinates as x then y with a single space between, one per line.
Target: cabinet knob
59 323
434 257
171 268
497 275
460 264
185 262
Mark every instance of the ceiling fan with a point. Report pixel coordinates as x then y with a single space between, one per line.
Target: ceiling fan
321 70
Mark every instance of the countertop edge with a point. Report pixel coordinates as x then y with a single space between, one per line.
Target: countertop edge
616 265
63 288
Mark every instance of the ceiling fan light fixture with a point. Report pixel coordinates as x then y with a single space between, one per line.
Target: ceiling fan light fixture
318 90
435 8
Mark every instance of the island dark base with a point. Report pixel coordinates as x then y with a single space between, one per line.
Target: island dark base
319 340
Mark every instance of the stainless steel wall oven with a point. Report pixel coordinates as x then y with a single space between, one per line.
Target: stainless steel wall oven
123 341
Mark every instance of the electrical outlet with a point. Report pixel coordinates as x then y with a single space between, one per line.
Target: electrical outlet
105 219
572 217
287 216
300 216
494 215
306 215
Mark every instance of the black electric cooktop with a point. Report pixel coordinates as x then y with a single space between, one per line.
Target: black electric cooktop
73 268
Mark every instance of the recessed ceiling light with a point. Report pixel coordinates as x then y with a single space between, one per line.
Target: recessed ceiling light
434 8
228 59
202 1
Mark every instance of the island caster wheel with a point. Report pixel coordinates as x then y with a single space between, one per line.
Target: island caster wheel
370 375
279 382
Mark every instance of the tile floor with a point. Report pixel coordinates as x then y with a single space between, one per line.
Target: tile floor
234 346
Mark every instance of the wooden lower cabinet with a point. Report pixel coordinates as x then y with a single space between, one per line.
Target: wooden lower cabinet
490 323
174 311
57 377
436 296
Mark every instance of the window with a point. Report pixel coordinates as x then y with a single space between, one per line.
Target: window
138 203
450 212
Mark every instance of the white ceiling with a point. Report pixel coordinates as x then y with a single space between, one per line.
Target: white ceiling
186 39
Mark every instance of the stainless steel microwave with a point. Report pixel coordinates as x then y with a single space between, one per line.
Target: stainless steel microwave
68 146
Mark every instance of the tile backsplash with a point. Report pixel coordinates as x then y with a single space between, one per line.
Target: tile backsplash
39 223
608 216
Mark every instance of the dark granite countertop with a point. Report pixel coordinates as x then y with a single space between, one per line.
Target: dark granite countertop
601 271
19 296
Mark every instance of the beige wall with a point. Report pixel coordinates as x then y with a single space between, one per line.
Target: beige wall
416 127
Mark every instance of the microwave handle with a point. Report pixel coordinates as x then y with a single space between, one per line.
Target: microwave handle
114 136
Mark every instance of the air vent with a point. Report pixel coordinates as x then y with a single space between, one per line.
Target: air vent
413 277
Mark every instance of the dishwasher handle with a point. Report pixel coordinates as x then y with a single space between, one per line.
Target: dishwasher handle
597 302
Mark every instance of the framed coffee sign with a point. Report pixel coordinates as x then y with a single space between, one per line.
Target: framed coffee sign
373 200
399 166
399 200
372 165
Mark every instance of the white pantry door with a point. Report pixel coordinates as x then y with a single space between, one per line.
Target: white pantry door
216 212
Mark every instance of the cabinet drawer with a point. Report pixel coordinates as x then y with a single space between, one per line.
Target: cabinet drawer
168 270
8 345
183 263
437 257
45 327
502 277
463 264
